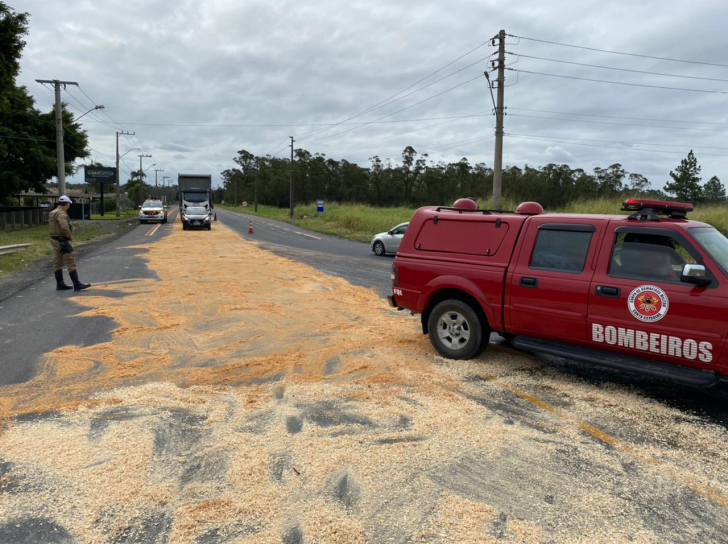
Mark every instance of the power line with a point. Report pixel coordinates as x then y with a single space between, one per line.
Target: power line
618 124
288 125
399 111
609 147
618 82
616 69
686 146
618 117
409 87
24 138
620 53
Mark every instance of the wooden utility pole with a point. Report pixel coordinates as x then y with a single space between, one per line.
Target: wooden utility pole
292 140
498 160
60 156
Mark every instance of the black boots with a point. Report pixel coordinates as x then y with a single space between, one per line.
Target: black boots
60 284
77 285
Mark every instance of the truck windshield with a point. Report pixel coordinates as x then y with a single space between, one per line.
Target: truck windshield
714 243
196 210
195 197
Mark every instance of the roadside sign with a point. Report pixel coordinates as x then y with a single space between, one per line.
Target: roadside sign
100 175
320 206
245 204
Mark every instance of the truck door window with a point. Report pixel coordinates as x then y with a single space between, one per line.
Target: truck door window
561 250
653 257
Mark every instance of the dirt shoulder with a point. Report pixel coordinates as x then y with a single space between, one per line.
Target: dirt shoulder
38 268
245 397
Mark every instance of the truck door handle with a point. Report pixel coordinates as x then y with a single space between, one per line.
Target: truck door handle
529 282
605 291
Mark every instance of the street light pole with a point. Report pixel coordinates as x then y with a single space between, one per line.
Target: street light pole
118 201
155 175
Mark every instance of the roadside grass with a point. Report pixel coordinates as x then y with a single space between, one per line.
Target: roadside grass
360 221
40 246
111 216
353 221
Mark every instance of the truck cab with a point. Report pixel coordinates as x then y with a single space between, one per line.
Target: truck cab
643 293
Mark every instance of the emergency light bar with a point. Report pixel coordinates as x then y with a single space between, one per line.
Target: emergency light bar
650 209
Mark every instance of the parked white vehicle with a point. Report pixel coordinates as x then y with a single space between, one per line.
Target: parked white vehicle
388 242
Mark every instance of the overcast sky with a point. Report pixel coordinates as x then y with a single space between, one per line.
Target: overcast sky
257 62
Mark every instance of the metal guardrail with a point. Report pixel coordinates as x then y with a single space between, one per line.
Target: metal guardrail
4 250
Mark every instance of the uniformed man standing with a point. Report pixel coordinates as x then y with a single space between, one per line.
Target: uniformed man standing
63 255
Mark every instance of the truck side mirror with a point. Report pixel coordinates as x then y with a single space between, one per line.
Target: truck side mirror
695 274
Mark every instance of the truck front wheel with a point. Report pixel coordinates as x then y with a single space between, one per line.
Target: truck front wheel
456 330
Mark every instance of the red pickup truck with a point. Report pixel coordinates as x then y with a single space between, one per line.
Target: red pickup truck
645 293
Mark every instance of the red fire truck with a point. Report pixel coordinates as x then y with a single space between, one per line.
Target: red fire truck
644 293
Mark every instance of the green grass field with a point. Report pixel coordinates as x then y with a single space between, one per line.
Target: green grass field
40 244
111 216
361 222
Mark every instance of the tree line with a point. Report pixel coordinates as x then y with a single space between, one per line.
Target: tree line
416 180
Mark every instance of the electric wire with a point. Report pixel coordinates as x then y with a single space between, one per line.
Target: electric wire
620 52
617 124
618 117
520 55
619 82
686 146
409 87
398 111
611 147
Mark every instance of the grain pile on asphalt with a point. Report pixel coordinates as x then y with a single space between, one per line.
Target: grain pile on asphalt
248 398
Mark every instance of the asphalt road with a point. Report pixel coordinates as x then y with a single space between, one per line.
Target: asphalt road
353 261
40 319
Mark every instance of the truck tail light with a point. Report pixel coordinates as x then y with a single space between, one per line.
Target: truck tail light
395 275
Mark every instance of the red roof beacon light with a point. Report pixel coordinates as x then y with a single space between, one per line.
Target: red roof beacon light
529 208
465 204
650 209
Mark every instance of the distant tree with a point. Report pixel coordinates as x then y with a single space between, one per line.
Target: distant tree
714 191
411 169
685 184
638 183
27 136
610 179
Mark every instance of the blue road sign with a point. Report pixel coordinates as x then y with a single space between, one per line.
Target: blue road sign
320 206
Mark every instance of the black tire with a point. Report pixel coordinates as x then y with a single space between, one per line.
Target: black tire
164 220
184 226
379 250
456 330
209 227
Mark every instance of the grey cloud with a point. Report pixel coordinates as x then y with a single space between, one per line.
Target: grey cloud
228 62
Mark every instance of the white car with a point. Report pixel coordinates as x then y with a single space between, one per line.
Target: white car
151 211
388 242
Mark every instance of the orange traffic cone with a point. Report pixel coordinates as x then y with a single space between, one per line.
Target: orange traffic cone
250 228
215 218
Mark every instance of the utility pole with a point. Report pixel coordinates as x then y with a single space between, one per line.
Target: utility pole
292 140
118 202
141 175
498 160
257 168
141 170
60 159
155 175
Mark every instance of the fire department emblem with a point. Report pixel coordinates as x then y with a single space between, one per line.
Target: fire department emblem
648 303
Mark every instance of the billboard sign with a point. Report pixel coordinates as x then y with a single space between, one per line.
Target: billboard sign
100 174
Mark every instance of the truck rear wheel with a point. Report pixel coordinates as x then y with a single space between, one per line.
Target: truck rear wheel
456 330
